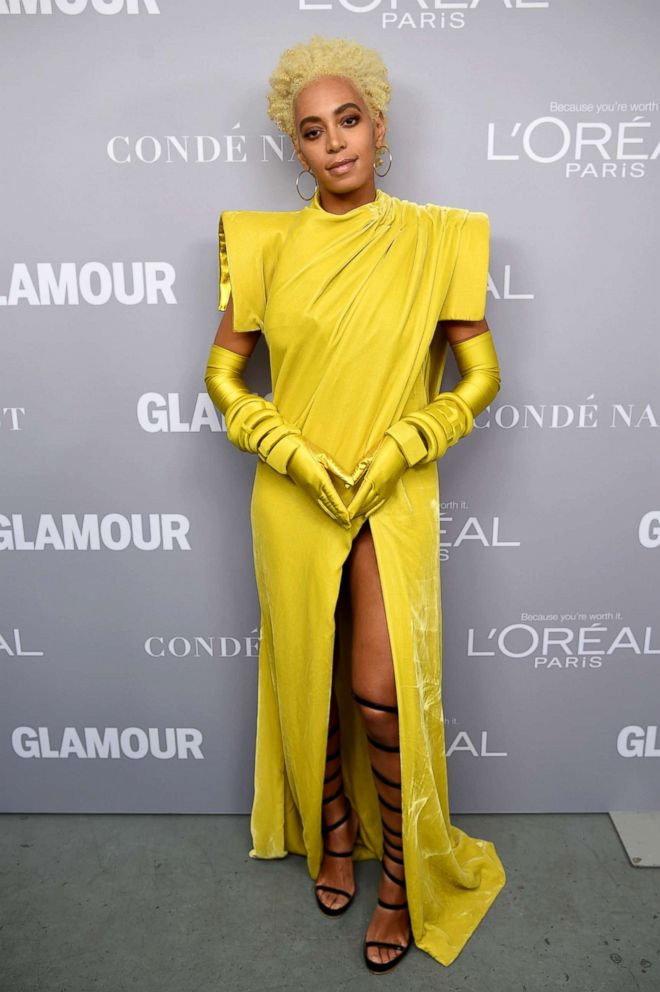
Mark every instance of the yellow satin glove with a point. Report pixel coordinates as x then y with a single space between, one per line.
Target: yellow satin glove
254 424
307 473
348 478
425 436
387 466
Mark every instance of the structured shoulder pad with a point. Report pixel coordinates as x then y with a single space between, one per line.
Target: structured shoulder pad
466 294
249 242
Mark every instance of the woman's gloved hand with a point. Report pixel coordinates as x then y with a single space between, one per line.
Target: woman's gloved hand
305 469
387 465
425 435
255 424
334 468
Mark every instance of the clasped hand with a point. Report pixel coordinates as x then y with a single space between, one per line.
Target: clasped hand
374 478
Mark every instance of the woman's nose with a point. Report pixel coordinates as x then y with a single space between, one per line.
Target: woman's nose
334 141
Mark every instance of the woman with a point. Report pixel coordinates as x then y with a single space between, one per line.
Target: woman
357 295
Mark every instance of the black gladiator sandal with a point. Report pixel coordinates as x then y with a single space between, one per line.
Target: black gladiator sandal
325 829
395 845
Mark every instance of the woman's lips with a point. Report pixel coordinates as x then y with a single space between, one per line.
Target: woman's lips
341 169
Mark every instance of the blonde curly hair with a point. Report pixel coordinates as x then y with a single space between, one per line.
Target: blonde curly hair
323 56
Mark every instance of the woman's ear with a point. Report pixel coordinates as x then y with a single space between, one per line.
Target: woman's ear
379 126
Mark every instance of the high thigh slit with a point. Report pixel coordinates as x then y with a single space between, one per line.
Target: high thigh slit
388 935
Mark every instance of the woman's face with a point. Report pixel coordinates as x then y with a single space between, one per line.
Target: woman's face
333 124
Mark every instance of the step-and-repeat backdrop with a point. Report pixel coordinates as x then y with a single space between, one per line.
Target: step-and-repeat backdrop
129 620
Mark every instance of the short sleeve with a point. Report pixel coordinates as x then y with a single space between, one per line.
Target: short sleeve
466 295
248 246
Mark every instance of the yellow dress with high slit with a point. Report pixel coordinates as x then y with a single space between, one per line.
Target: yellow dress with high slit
348 304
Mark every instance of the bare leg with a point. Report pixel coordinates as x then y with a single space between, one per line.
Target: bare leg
373 682
336 868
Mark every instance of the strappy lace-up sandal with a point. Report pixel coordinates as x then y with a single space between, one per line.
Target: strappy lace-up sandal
392 848
326 829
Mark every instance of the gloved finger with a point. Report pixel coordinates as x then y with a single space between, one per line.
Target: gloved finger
375 499
307 473
326 509
330 494
331 465
360 470
327 487
357 505
341 518
321 501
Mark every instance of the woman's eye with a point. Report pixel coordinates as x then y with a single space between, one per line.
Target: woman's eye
314 131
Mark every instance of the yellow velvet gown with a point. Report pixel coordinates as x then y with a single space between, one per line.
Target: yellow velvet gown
348 304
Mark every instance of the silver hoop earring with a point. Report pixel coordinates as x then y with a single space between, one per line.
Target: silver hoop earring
381 174
302 171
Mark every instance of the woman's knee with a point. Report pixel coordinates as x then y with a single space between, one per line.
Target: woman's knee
380 723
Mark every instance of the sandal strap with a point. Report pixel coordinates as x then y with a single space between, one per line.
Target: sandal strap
338 854
399 861
392 748
387 781
342 819
385 943
331 757
373 705
334 795
329 778
391 876
395 833
395 808
392 905
331 888
392 806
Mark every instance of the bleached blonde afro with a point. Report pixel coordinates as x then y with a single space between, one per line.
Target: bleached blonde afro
323 56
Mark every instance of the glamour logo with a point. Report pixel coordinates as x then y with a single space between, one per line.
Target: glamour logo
107 7
570 645
586 149
128 283
114 532
560 416
419 14
487 535
12 646
649 529
108 742
159 413
463 742
203 646
638 742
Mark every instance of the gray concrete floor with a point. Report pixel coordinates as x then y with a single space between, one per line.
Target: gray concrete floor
174 904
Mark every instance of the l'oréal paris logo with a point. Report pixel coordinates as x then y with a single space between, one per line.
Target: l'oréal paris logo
419 15
582 148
